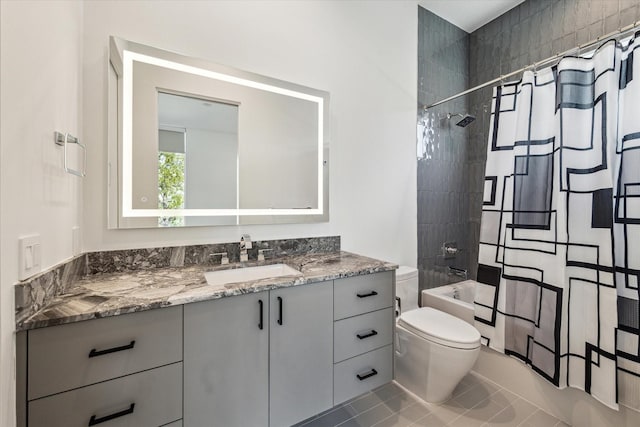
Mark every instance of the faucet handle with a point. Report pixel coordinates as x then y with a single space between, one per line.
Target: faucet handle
224 259
245 242
261 253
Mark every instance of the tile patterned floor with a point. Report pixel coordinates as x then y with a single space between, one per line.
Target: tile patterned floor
475 402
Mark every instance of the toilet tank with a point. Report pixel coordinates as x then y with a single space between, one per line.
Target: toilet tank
407 287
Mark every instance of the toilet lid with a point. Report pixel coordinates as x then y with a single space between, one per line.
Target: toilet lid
440 327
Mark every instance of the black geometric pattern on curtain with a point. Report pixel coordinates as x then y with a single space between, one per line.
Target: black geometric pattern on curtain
626 228
560 237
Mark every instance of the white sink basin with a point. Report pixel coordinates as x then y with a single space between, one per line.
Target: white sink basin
248 274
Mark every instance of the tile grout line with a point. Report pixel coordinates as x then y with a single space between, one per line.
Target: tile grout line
531 416
519 396
396 412
501 411
357 413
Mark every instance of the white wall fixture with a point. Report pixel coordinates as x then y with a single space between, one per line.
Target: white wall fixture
29 259
63 140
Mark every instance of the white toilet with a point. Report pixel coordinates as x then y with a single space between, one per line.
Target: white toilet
434 350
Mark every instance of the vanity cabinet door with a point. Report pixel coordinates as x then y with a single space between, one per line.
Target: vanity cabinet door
226 377
301 352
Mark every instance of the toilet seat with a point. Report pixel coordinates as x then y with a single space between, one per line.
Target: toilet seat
440 327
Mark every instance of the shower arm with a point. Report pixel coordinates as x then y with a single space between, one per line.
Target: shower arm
618 33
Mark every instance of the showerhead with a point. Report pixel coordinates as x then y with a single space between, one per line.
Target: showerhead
466 120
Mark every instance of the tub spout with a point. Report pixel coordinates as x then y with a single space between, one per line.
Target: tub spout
460 272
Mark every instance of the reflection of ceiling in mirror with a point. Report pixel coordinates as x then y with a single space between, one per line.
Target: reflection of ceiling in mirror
195 113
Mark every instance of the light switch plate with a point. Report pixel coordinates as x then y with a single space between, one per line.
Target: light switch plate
29 256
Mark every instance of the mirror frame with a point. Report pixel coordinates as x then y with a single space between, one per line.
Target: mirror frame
121 213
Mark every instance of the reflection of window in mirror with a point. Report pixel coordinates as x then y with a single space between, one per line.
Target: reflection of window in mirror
205 131
171 174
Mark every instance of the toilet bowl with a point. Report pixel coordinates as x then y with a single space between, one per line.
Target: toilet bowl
433 350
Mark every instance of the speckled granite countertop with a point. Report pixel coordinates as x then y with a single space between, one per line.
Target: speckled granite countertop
112 294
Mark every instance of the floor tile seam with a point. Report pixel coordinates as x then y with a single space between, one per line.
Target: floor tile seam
395 413
516 394
399 390
504 409
530 416
488 398
320 415
360 413
371 407
455 399
541 410
398 393
488 380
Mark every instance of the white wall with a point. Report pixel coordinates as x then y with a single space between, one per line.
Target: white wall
362 52
40 83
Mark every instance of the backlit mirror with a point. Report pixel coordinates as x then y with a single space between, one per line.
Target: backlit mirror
196 143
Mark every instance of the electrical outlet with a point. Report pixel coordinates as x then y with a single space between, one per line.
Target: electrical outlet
29 256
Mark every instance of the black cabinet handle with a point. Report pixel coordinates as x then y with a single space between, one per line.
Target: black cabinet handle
93 421
260 325
279 310
370 334
96 353
370 294
367 375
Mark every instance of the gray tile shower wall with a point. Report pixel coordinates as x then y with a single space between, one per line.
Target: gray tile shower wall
443 61
530 32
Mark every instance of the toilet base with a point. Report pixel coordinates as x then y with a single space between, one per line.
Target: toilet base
429 370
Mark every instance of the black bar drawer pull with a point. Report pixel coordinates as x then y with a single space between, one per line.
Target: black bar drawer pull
96 353
279 310
367 375
93 421
370 334
260 325
370 294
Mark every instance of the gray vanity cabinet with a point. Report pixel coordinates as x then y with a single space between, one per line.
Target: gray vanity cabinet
301 353
121 371
259 359
226 359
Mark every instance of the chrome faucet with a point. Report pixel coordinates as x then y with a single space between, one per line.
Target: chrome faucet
245 243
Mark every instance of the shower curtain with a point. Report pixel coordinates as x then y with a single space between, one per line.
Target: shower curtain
559 260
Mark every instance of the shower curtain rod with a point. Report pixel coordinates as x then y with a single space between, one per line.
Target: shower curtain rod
619 32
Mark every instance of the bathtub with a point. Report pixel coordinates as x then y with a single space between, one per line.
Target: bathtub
455 299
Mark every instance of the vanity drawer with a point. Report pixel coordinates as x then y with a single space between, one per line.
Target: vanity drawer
362 294
152 398
359 334
362 373
69 356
